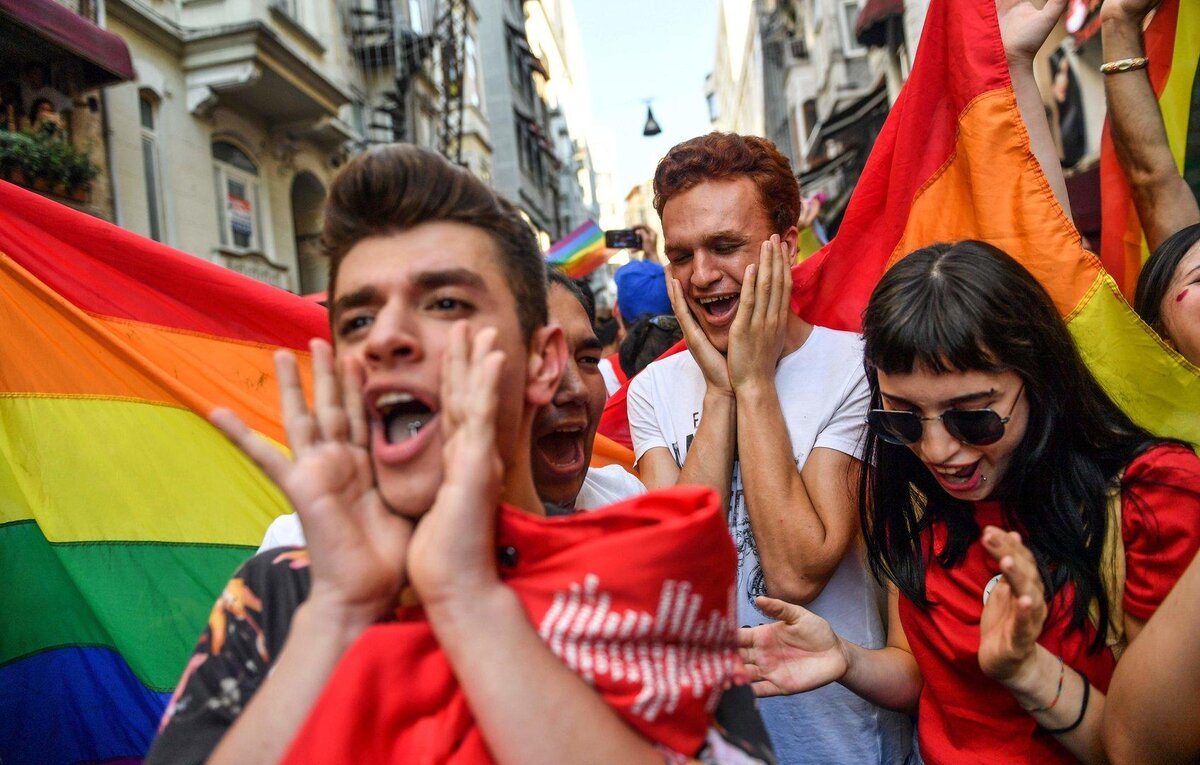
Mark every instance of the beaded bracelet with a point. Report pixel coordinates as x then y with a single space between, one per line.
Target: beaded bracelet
1124 65
1082 710
1062 673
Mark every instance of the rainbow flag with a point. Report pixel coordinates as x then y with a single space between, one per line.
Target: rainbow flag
580 252
1172 43
122 511
953 162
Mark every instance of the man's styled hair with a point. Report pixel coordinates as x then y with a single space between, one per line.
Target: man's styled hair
394 188
558 279
728 156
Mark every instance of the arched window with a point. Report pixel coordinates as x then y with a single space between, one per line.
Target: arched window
237 185
151 166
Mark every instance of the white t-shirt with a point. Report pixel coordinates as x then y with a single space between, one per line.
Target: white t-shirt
824 396
611 383
601 486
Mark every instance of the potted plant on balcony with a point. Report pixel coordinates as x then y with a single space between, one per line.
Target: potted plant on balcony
80 173
16 151
60 156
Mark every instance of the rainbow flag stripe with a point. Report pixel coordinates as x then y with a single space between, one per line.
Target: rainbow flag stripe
1172 43
580 252
968 172
122 511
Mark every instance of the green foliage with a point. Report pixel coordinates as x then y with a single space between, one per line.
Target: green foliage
45 155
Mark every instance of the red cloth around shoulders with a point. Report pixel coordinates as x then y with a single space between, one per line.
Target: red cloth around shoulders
636 598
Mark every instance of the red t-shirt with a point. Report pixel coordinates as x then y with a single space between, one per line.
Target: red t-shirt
965 717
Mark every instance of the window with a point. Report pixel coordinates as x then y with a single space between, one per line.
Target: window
850 9
298 10
416 19
151 168
472 67
236 178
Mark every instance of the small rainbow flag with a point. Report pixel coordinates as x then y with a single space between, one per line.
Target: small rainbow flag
122 511
580 252
1172 43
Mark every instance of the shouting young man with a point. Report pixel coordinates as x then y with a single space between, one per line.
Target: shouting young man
769 411
421 620
563 429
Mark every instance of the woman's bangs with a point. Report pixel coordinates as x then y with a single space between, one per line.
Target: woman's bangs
940 341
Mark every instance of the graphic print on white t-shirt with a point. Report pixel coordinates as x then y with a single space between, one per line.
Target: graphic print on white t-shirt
824 397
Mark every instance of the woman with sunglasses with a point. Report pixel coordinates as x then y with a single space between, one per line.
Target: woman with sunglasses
992 452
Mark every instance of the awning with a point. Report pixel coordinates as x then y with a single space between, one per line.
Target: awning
46 31
848 112
825 169
871 25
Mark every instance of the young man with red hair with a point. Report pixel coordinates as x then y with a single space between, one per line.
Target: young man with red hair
768 410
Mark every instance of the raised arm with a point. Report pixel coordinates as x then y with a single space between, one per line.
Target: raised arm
803 520
709 460
1024 28
1153 710
1163 200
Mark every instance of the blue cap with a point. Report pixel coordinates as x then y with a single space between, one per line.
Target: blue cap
641 290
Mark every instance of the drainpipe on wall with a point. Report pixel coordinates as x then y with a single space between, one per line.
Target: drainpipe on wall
114 191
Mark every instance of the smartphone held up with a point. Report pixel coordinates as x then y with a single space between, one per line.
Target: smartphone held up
623 239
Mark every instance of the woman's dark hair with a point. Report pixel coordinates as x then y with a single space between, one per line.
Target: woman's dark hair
968 306
606 331
646 340
397 187
1157 272
557 279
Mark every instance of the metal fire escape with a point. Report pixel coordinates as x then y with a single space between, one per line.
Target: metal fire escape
386 48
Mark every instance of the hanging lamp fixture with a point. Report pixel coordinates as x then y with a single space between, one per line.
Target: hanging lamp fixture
651 128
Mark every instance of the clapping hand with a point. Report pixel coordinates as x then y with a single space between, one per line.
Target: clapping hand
1015 611
798 653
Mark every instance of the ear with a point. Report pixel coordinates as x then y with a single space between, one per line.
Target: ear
791 236
547 360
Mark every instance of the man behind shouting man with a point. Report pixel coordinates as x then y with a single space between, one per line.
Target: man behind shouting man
768 410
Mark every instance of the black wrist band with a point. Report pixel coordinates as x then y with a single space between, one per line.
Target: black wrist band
1082 709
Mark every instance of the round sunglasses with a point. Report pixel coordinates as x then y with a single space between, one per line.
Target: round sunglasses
975 427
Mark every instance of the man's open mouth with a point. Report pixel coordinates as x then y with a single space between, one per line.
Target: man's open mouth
403 415
562 448
718 306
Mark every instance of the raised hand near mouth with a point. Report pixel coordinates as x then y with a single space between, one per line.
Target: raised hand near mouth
756 339
712 362
453 549
356 545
